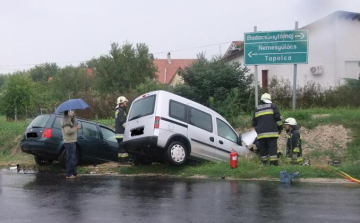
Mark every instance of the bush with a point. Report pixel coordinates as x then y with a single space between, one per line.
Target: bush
313 95
226 88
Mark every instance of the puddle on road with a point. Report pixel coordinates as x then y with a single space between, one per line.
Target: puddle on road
20 170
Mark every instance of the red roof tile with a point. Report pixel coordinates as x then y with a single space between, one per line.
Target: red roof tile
171 69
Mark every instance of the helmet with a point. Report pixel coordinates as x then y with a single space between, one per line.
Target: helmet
266 98
121 100
290 121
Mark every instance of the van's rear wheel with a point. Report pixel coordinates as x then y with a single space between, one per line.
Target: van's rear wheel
176 153
42 161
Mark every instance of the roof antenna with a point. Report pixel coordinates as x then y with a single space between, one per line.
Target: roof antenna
169 57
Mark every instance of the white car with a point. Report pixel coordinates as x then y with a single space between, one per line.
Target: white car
162 126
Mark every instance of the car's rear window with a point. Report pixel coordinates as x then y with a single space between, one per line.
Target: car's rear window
40 121
142 107
57 123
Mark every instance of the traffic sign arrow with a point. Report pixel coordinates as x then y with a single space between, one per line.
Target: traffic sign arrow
250 54
301 35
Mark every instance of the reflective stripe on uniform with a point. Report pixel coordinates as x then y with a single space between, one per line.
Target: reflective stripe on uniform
296 150
264 158
273 158
300 159
268 135
264 112
279 123
123 155
119 136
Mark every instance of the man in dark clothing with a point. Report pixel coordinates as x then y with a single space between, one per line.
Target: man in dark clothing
120 120
293 143
267 123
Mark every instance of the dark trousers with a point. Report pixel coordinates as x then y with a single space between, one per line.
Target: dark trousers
123 155
70 159
268 150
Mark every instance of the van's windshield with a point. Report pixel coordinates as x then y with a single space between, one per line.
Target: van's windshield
142 107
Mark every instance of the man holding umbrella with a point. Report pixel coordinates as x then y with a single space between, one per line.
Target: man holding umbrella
120 119
69 131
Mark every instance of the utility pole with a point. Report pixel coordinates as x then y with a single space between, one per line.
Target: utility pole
256 80
295 76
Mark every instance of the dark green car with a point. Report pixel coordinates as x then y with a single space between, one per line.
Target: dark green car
96 143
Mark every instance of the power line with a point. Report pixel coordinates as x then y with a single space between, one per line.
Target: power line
196 47
4 67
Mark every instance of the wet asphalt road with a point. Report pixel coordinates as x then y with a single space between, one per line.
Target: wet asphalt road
47 198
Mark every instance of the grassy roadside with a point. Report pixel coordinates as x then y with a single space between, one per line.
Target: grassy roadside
10 135
349 118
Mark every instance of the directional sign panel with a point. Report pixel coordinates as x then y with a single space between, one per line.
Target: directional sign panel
278 47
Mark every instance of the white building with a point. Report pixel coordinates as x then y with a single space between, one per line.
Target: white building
334 53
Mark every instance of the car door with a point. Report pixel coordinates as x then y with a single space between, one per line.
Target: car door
226 140
90 141
110 147
201 133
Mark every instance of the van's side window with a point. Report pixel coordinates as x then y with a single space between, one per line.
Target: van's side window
177 111
201 119
225 131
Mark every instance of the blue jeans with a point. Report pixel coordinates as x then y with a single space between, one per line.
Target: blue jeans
70 159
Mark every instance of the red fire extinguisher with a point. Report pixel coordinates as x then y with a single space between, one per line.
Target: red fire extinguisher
233 159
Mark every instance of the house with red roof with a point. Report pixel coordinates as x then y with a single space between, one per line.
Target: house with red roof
168 70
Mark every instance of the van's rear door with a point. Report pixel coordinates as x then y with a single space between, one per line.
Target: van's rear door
141 117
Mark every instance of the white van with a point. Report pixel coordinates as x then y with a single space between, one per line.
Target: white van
162 126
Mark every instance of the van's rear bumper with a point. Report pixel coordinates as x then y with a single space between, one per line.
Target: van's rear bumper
147 145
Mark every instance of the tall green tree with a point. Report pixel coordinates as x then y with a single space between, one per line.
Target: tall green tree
70 82
42 73
215 83
123 68
19 94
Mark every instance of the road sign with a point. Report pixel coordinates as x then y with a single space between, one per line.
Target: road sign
277 47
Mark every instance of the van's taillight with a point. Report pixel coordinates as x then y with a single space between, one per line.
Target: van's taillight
157 122
46 133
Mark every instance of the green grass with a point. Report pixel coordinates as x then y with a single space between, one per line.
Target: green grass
247 169
349 118
10 134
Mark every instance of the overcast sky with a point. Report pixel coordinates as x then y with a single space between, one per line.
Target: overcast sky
38 31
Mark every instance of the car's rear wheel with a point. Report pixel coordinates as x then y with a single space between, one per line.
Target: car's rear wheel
42 161
62 158
140 160
176 153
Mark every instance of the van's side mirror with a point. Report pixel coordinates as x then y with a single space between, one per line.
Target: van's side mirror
239 140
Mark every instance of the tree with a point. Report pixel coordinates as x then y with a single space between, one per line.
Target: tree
41 73
216 84
123 68
19 94
70 82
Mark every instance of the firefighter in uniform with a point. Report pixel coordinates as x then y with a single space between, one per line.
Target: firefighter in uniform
267 123
293 143
120 119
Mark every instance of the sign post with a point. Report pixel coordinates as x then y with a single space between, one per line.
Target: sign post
276 47
256 80
295 78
